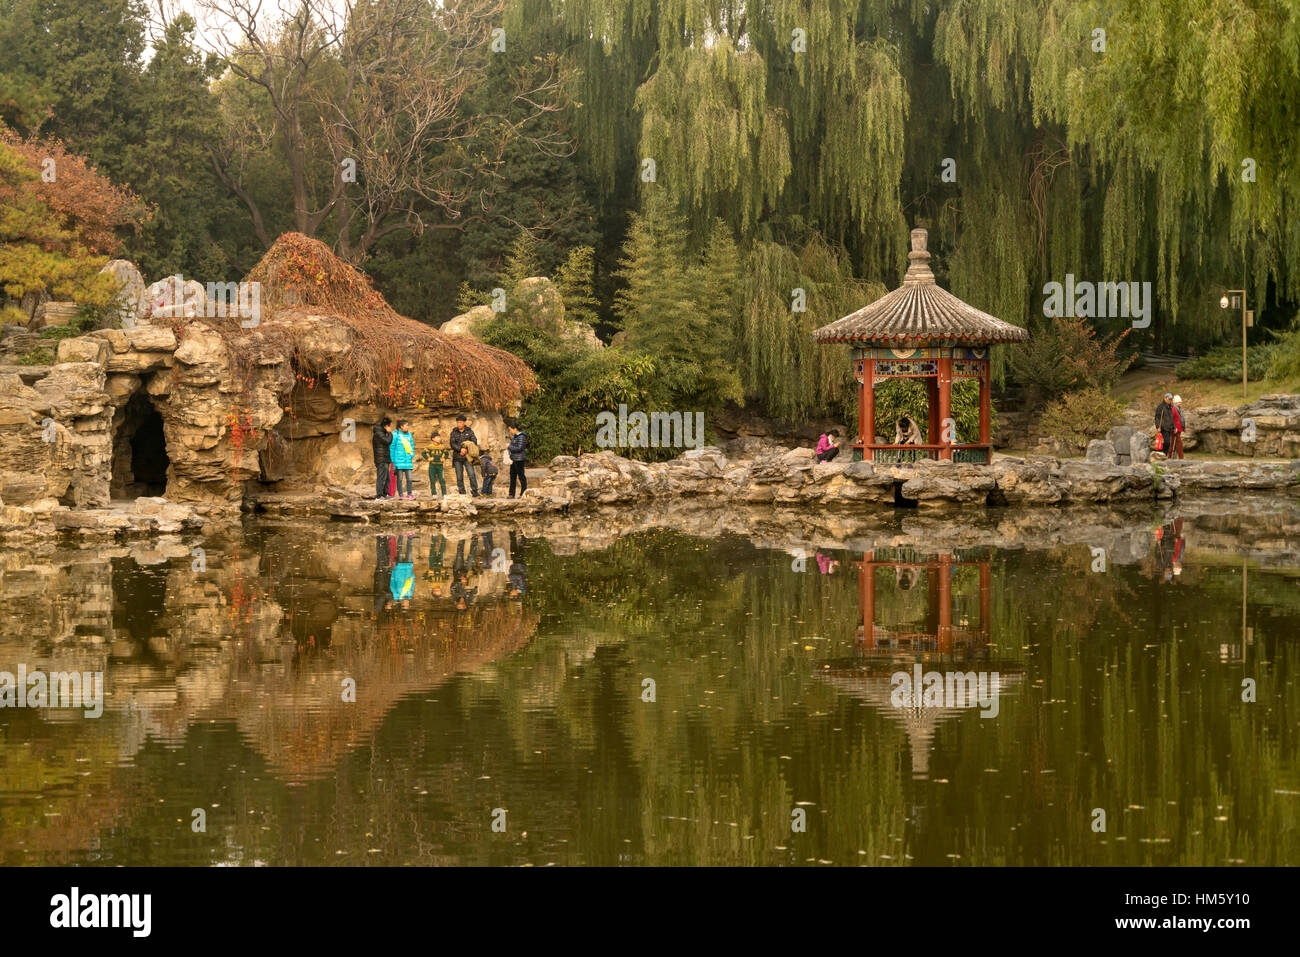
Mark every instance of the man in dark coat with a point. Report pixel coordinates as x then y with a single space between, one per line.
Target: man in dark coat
518 452
381 437
461 434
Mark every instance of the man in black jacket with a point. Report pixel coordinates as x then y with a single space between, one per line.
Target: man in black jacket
518 457
461 434
1164 418
381 437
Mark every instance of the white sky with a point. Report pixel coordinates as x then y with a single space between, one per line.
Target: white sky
212 24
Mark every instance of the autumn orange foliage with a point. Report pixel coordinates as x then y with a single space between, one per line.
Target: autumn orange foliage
88 205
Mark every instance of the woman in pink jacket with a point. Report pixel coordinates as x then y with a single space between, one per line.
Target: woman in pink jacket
828 446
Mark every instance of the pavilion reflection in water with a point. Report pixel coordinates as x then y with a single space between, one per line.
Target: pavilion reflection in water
922 609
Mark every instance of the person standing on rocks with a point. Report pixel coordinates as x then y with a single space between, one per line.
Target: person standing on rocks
518 452
380 441
490 472
461 434
1165 419
1178 427
402 452
435 453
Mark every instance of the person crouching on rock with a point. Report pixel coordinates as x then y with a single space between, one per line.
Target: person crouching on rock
380 441
435 453
828 446
490 472
460 461
402 452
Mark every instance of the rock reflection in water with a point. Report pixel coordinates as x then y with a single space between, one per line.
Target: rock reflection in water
260 634
494 671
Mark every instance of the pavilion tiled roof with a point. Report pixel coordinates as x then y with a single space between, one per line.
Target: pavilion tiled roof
920 311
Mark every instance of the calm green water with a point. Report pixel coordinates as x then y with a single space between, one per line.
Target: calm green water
1118 690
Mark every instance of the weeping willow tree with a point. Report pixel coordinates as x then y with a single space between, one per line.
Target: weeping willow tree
1159 145
787 291
1113 140
784 122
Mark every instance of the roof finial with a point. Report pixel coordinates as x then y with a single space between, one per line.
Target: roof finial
918 270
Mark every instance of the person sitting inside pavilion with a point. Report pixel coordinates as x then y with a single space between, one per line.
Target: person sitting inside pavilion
923 333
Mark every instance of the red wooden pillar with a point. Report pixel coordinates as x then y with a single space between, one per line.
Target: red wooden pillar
945 403
986 604
945 604
986 422
867 409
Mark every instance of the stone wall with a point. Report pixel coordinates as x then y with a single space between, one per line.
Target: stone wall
1220 430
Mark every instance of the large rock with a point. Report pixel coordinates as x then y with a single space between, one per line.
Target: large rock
1119 437
1101 452
130 301
1139 448
55 314
468 323
174 298
83 349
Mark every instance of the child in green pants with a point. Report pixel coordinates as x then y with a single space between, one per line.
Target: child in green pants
434 453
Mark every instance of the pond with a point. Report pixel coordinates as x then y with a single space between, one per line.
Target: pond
311 694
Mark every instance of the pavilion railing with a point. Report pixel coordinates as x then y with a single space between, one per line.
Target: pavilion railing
895 454
903 454
976 454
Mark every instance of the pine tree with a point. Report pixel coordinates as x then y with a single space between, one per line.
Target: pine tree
575 281
679 309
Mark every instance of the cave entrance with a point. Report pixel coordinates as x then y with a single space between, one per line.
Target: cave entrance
140 459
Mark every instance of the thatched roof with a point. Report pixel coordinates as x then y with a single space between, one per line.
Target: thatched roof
920 312
393 360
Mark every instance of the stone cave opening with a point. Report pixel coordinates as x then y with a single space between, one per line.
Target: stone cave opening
140 459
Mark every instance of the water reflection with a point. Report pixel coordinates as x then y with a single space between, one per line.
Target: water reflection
505 667
925 619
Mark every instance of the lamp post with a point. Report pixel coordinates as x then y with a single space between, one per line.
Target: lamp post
1247 319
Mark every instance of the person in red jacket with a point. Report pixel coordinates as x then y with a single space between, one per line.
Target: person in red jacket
1178 428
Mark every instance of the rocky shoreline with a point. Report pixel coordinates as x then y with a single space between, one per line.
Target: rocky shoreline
704 481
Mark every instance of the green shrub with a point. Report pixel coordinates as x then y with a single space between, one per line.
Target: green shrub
1080 416
1224 362
36 357
1284 363
1065 355
577 383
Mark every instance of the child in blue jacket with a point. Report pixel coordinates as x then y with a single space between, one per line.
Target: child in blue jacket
402 452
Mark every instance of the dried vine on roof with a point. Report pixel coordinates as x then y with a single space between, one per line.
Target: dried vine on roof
397 361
